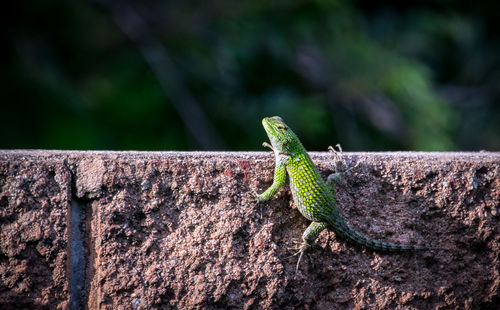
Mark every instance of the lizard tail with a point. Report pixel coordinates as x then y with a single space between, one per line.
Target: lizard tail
349 234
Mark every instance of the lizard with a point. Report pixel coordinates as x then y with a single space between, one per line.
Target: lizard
315 199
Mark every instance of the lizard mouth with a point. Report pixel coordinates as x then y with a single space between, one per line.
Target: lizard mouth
267 124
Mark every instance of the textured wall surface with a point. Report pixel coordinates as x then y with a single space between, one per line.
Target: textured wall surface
159 230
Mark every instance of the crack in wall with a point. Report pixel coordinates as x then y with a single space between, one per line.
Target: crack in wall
77 255
79 245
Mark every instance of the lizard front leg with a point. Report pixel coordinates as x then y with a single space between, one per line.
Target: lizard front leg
265 144
278 182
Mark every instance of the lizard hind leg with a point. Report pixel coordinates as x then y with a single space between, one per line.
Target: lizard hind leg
308 237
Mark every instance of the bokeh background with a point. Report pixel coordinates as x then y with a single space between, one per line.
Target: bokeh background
194 75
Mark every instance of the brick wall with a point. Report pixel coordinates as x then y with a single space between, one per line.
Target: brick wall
160 230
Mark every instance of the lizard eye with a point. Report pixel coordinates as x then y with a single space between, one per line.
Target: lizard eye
280 127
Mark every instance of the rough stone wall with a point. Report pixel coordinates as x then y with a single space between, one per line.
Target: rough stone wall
35 196
162 230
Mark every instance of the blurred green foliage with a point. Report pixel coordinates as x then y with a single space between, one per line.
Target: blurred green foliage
391 76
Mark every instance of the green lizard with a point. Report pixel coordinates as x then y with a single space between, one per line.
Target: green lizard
314 197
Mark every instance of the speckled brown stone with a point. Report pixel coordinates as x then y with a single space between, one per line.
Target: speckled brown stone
168 230
34 205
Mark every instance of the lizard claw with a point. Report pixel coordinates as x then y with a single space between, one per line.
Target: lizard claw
265 144
300 250
295 247
333 150
257 198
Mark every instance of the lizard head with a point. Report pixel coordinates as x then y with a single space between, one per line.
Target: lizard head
281 136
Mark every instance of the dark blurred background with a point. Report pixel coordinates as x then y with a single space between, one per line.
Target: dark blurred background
193 75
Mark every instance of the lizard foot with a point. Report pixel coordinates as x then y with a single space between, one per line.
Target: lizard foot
340 163
257 199
334 150
265 144
302 247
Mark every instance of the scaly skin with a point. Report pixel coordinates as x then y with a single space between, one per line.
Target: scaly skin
314 198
